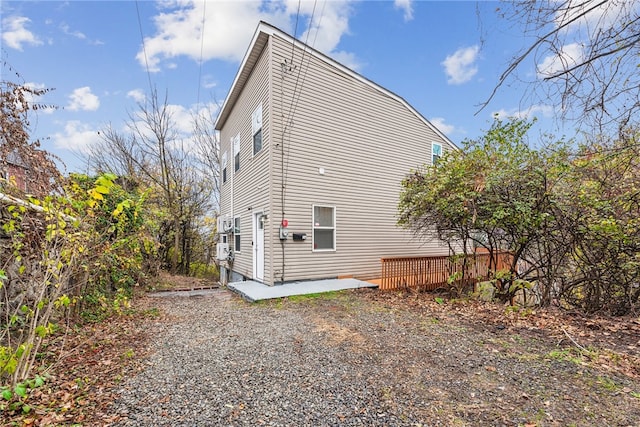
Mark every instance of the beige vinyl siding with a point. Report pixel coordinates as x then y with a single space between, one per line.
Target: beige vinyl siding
249 187
366 141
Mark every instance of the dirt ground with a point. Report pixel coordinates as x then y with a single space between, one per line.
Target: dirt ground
442 362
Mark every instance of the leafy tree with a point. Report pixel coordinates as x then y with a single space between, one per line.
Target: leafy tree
117 230
155 155
569 221
493 194
60 252
600 205
72 240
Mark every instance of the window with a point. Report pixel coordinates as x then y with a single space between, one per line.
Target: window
224 167
236 152
324 229
256 129
236 234
436 152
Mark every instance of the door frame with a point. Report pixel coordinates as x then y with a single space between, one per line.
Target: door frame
258 245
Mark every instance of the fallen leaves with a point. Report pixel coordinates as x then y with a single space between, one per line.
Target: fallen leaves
81 381
611 344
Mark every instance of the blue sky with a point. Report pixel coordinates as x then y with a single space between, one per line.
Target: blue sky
444 58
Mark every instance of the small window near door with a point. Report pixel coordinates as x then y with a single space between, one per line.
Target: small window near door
236 233
256 129
436 152
324 229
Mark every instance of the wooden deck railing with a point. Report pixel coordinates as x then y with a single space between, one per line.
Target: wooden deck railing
432 272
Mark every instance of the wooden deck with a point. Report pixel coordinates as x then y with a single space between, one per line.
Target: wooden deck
433 272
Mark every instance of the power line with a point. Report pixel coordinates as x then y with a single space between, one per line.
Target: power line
295 97
284 164
204 12
304 51
304 76
144 49
295 31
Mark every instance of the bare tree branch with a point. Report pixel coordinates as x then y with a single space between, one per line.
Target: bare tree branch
598 85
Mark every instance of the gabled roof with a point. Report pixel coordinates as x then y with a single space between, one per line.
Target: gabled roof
13 158
259 41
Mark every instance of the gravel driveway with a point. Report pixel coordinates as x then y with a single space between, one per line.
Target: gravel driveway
348 359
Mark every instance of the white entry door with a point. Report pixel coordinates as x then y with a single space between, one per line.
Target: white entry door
258 246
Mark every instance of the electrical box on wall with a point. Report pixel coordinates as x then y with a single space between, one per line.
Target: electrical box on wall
284 232
299 237
222 251
225 224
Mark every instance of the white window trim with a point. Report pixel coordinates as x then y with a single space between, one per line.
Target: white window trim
235 142
256 126
237 235
256 120
224 165
436 144
313 228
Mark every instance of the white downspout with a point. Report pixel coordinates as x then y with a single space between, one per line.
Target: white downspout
232 172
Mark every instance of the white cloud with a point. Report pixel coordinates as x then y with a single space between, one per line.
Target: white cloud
578 16
31 99
330 23
347 59
533 111
569 56
443 127
77 136
15 33
461 66
209 82
137 95
67 30
83 100
406 6
34 85
229 27
183 118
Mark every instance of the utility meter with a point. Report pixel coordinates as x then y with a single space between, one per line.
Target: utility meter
284 232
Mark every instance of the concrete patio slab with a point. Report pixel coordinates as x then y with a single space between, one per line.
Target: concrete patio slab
256 291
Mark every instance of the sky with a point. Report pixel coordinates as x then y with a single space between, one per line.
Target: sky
102 57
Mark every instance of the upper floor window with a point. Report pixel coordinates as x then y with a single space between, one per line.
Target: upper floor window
236 233
235 141
324 228
224 167
256 129
436 152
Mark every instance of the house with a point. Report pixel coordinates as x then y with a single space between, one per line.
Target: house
312 159
14 171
